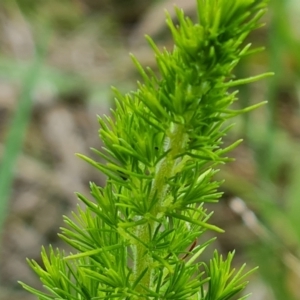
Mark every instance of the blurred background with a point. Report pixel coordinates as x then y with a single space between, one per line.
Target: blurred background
58 60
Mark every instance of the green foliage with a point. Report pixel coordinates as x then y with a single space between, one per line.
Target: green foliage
137 238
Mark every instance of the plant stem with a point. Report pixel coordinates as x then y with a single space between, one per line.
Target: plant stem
175 142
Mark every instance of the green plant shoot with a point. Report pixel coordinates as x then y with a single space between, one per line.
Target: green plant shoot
137 236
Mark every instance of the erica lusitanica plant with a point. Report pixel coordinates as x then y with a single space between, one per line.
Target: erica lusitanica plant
138 236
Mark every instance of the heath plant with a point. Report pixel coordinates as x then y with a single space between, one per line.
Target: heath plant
138 236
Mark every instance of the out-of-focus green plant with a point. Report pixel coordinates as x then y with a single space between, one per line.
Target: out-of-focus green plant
138 238
14 140
274 193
